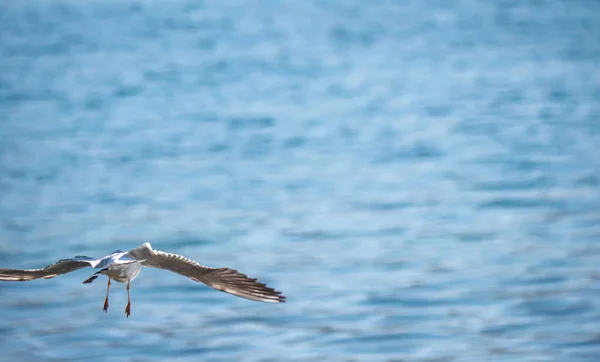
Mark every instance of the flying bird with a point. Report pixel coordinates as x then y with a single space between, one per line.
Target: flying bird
124 267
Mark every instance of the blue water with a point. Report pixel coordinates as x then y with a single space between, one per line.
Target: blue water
420 178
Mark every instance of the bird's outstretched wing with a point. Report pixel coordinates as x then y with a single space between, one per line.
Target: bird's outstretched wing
223 279
62 266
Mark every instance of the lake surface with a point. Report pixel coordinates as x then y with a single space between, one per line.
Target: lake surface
420 178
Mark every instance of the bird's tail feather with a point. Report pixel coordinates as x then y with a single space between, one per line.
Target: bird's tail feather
93 277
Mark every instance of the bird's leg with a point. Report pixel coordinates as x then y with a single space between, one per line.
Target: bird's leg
106 300
128 308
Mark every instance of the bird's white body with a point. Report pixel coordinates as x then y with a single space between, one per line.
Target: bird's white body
121 267
124 273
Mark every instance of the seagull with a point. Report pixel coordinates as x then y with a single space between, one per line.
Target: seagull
124 267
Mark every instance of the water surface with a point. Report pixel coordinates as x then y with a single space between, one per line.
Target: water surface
420 178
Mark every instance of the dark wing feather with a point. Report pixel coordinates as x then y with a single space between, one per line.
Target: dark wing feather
233 282
223 279
62 266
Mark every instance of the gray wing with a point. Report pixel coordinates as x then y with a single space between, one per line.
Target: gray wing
223 279
62 266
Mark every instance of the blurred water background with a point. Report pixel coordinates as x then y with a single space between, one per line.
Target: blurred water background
420 178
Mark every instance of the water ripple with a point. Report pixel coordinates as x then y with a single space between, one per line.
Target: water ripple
420 190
